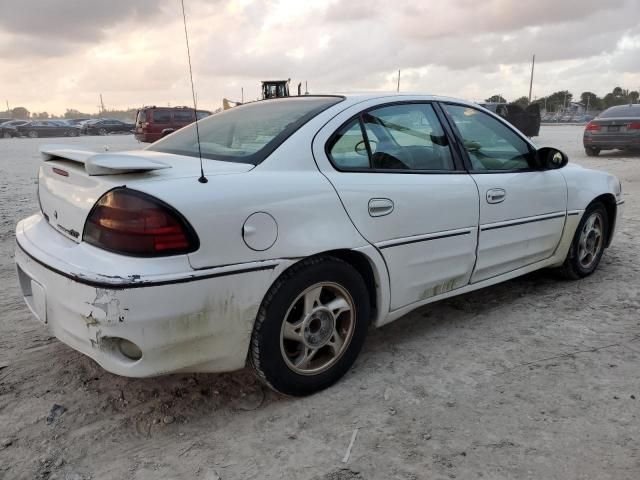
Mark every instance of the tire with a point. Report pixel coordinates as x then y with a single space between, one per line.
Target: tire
586 248
32 134
6 135
72 133
592 151
318 347
102 131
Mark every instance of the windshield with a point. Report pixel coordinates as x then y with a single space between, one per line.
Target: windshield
247 133
622 111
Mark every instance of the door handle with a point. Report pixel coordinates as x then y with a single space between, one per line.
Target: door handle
379 207
496 195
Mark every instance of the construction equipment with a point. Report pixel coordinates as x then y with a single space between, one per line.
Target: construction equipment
275 88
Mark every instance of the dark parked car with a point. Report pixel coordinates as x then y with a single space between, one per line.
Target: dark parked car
106 126
8 129
46 128
153 123
615 128
526 120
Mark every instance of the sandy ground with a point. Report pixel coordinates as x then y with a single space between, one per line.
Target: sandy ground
536 378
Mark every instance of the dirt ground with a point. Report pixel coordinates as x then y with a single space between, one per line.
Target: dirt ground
536 378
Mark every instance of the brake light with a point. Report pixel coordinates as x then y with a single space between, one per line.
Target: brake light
134 223
633 126
592 127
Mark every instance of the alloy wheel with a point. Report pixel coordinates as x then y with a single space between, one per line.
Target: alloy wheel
591 240
317 328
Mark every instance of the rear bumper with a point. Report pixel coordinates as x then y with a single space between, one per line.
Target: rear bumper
147 137
194 321
611 141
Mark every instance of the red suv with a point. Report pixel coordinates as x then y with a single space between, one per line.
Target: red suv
153 123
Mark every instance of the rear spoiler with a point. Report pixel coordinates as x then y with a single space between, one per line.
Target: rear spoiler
106 163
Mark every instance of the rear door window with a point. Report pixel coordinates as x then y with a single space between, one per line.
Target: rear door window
162 116
396 137
183 116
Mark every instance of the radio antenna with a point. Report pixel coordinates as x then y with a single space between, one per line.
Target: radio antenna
202 178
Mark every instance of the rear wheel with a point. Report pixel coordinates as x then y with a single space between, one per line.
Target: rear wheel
588 243
592 151
73 132
310 327
32 134
102 131
6 135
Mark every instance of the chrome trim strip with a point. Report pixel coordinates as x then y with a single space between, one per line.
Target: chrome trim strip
396 242
522 221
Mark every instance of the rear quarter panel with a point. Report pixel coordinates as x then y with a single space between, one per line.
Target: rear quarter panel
287 185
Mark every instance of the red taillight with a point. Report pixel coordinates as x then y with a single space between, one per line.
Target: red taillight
134 223
592 127
633 126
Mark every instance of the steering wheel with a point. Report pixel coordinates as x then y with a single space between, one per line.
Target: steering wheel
361 148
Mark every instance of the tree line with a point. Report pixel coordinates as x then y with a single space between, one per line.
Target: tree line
21 113
561 99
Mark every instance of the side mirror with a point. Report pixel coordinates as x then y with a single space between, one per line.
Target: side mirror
550 158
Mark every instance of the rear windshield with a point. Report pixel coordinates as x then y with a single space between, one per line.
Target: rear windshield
622 111
247 133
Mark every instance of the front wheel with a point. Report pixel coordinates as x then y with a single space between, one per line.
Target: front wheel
102 131
6 135
588 243
32 134
310 326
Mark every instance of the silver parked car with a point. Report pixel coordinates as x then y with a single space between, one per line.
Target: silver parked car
616 128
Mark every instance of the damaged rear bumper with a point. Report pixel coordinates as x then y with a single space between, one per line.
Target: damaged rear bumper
140 325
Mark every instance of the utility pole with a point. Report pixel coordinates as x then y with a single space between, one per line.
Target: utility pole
101 104
7 105
398 81
533 63
241 94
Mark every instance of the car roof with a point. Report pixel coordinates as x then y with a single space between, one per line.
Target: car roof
351 98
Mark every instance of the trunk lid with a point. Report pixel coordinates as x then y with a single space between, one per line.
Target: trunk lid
72 180
615 126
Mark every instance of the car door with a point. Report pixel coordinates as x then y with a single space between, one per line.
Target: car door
110 126
45 129
522 208
407 193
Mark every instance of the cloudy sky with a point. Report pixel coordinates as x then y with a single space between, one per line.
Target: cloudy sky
64 53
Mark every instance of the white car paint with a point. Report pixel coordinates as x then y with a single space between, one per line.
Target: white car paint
195 312
506 240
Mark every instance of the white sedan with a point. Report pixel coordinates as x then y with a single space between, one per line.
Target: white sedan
313 218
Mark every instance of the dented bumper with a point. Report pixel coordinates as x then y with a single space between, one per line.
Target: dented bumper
184 321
